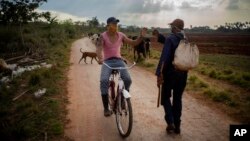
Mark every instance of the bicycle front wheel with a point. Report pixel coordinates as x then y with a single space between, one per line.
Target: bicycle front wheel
124 116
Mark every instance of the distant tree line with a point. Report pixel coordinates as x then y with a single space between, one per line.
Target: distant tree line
228 27
235 27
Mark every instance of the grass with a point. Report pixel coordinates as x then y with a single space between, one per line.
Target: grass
231 69
236 101
30 118
194 83
149 64
215 94
220 96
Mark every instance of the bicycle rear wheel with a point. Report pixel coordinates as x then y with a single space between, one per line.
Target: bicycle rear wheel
124 116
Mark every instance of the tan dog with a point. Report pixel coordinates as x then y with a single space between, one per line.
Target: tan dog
92 55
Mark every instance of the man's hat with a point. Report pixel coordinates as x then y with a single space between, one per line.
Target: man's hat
112 20
179 23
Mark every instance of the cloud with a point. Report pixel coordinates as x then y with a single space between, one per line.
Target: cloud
199 5
186 5
233 5
244 4
146 6
221 2
61 16
152 12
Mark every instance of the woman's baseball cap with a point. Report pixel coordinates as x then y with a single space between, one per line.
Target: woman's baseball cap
179 23
112 20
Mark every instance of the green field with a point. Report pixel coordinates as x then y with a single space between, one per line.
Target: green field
231 68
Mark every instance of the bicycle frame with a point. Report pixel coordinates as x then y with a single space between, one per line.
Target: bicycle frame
120 81
121 110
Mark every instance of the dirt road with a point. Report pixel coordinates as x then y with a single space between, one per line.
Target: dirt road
87 123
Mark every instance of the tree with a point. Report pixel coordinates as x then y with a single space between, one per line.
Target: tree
19 11
93 22
47 16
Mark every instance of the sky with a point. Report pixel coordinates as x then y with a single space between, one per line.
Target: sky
152 13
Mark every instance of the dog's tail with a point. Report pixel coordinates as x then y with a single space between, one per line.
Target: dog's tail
81 50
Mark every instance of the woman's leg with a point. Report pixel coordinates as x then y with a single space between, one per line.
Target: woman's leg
125 76
104 86
104 79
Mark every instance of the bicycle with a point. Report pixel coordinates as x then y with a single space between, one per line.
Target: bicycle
119 102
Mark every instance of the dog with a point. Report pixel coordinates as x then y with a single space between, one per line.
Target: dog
95 38
90 34
92 55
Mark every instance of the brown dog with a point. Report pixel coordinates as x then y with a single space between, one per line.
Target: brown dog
92 55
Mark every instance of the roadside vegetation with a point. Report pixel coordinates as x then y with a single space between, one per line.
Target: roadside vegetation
29 117
35 38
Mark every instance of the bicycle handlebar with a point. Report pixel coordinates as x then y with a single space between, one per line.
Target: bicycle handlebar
119 68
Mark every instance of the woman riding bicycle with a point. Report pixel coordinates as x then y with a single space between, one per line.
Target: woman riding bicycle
108 50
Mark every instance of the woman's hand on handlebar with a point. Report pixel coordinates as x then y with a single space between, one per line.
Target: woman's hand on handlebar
124 60
100 62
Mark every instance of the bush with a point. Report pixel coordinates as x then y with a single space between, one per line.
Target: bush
227 72
9 35
35 79
192 79
203 70
209 92
56 128
246 76
47 74
221 97
232 103
202 84
148 65
213 74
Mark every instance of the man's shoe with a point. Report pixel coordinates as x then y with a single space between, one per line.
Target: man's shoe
170 128
107 112
177 130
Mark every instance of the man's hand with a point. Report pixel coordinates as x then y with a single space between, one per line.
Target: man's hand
159 80
155 33
143 32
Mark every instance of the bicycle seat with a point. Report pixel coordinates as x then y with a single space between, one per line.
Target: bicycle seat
114 72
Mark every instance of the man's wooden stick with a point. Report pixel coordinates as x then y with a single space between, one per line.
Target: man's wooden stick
159 97
159 93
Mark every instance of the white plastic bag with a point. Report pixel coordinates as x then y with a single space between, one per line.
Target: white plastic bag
40 92
186 56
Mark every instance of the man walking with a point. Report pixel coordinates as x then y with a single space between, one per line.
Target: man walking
173 81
